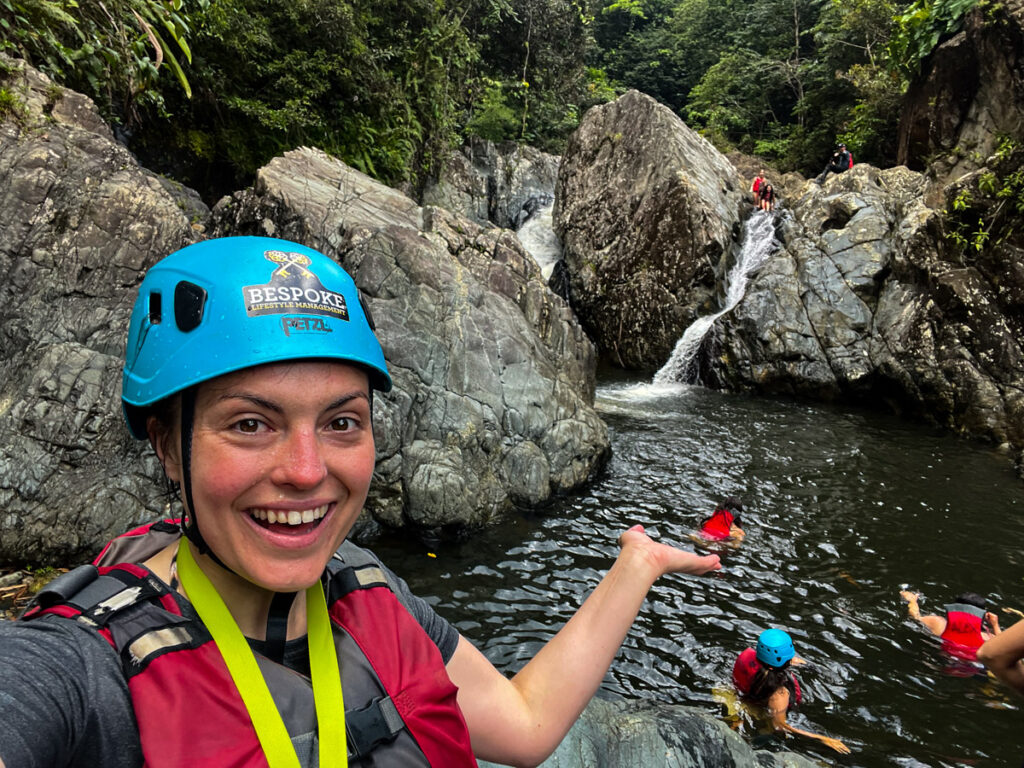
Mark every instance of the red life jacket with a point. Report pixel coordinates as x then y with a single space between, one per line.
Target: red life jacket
962 636
746 668
718 526
401 707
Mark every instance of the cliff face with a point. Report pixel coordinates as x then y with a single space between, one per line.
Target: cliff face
969 96
867 300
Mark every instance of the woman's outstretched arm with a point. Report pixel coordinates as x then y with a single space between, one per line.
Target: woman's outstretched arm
1003 653
778 705
520 721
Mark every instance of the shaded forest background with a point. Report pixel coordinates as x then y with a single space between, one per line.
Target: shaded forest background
207 91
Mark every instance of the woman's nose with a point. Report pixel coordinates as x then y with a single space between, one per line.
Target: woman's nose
300 462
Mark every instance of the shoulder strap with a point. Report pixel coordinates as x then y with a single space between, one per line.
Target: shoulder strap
352 567
95 597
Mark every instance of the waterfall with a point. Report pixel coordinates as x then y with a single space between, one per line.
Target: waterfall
537 234
758 244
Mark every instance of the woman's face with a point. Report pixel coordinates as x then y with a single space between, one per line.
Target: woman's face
282 457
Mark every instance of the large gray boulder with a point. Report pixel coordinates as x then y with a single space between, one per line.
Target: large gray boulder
494 377
79 223
646 734
866 300
501 184
647 212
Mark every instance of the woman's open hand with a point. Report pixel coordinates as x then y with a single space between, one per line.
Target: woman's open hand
664 557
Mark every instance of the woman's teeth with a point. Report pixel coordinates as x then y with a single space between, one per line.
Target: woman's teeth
291 516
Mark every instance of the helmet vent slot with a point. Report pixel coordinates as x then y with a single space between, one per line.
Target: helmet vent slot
189 301
155 308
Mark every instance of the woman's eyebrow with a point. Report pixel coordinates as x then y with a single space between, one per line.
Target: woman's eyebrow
272 406
255 400
345 399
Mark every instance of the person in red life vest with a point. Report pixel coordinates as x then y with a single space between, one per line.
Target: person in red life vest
251 368
755 186
766 199
725 523
961 628
840 162
763 676
1003 655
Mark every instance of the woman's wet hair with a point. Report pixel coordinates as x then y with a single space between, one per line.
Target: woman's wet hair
767 680
732 503
972 598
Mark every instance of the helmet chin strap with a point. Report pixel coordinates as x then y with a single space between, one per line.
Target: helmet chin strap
280 605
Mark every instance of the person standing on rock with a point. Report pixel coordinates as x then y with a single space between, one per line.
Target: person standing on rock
841 161
218 639
755 186
763 676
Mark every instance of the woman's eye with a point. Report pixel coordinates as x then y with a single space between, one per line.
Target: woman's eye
342 424
249 426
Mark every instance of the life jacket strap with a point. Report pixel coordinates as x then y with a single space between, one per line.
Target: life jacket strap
375 724
96 597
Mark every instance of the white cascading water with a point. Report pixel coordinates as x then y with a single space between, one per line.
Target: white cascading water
538 237
758 244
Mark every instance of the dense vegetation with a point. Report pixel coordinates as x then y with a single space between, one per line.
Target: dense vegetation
209 90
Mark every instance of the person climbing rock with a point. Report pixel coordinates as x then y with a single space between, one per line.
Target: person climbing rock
842 160
763 676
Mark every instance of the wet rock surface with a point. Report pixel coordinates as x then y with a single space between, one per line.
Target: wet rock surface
866 300
644 733
647 212
500 184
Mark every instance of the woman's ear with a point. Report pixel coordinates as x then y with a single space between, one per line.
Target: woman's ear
162 440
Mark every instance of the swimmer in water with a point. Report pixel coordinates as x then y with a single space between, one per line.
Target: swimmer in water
763 676
962 628
725 523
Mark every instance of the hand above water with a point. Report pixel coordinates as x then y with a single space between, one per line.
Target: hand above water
835 744
665 558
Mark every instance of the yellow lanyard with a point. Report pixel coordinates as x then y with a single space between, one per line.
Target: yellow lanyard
245 672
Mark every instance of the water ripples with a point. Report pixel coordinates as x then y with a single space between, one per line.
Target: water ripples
843 508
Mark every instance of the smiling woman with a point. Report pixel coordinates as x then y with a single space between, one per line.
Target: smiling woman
217 638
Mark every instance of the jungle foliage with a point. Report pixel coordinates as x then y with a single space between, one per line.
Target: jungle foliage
209 90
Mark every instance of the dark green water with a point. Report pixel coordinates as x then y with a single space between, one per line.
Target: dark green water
844 507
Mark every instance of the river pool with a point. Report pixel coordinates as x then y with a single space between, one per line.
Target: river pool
843 508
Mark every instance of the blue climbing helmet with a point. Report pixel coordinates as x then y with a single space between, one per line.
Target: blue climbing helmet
775 648
231 303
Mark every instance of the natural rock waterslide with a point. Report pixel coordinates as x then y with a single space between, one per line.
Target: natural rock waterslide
494 377
865 300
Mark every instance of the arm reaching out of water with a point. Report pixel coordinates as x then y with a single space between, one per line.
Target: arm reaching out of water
520 721
1003 653
936 624
778 704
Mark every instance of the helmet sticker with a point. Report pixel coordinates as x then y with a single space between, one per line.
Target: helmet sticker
293 289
